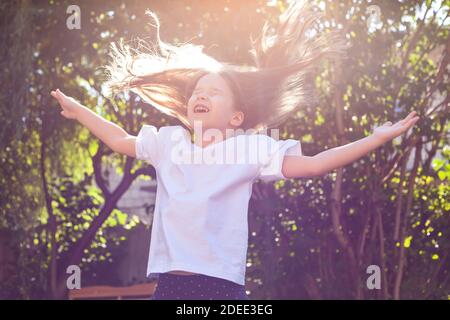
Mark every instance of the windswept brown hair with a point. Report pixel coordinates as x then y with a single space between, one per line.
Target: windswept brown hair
281 81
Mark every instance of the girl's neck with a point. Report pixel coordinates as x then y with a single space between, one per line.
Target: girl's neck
208 139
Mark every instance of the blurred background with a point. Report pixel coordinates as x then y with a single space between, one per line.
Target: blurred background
66 199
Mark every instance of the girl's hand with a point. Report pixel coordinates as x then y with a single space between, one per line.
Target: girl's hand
69 105
388 131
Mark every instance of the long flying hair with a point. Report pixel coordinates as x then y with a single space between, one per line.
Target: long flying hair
281 81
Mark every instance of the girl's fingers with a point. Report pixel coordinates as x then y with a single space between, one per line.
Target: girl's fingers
410 123
54 94
398 123
61 93
409 117
58 95
413 121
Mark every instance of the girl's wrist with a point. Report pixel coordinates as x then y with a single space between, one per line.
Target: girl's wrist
379 140
81 113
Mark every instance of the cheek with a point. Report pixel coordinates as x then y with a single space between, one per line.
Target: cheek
190 101
190 105
222 105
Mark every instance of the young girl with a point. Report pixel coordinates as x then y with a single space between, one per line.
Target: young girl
200 232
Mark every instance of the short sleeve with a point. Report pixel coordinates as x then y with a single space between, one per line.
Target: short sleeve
148 144
272 160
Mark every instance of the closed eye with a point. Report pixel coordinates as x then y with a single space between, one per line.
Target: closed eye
217 91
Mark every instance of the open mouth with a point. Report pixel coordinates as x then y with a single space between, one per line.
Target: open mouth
201 108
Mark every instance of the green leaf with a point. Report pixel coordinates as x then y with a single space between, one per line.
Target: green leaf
121 217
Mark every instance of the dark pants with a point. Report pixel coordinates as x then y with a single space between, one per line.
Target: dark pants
197 287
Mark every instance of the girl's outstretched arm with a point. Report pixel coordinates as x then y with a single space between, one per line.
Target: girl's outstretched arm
111 134
320 164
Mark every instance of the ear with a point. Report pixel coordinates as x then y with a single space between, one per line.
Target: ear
237 119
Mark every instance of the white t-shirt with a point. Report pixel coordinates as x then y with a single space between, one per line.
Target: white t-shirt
200 222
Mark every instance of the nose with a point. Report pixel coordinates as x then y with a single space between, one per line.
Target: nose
201 97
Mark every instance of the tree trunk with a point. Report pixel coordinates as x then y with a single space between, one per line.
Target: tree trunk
336 195
51 216
384 282
402 254
111 199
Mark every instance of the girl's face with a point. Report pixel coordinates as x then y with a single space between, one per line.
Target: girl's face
211 104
